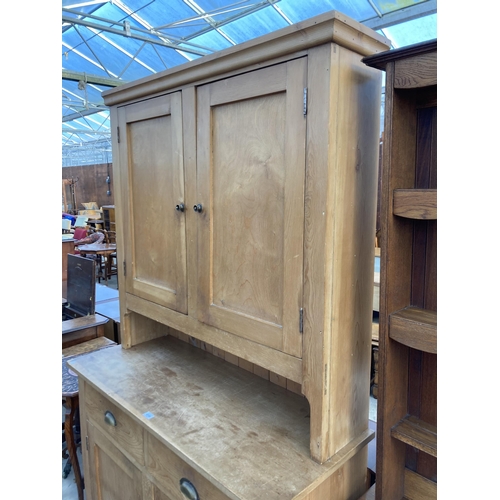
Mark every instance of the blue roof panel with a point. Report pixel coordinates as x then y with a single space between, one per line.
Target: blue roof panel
254 25
212 25
387 6
299 11
212 40
158 14
410 32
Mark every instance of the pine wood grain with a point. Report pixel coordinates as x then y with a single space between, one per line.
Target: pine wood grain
208 411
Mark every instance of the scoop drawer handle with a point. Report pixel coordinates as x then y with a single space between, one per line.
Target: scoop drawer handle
110 419
188 489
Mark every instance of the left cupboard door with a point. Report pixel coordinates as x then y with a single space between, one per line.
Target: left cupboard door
112 476
152 189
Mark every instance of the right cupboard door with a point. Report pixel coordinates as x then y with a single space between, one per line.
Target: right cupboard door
251 132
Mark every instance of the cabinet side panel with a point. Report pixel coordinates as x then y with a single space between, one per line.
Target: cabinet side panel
341 181
316 341
354 162
120 218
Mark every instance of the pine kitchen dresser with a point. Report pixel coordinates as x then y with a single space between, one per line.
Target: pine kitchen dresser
245 210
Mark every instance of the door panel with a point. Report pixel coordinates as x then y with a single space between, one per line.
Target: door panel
250 167
112 475
151 151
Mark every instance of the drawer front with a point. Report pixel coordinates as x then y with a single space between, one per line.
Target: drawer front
125 432
167 469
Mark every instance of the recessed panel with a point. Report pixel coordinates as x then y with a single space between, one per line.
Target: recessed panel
248 178
150 150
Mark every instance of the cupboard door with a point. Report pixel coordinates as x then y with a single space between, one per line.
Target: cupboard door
112 475
250 181
151 159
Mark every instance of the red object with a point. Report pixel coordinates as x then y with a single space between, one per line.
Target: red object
79 234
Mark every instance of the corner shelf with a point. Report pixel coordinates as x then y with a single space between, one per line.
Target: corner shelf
407 393
414 327
420 204
417 486
416 433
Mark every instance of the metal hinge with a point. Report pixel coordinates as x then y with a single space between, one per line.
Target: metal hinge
87 442
305 101
118 134
124 268
301 320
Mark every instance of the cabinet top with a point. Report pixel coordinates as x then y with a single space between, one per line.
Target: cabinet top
332 26
381 60
228 424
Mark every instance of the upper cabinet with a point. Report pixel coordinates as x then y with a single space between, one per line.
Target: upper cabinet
246 189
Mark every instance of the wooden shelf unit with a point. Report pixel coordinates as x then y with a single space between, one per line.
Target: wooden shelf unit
108 215
407 392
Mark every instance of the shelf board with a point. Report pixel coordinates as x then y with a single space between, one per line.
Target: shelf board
416 433
417 486
415 327
418 204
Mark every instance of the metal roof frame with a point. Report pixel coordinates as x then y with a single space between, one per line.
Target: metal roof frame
109 42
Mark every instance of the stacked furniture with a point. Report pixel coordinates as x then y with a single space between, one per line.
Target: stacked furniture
407 391
245 187
108 215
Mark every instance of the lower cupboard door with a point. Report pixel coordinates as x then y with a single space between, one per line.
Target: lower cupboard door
112 475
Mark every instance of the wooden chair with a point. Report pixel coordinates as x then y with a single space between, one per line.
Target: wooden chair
111 268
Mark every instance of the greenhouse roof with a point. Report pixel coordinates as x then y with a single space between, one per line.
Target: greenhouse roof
108 43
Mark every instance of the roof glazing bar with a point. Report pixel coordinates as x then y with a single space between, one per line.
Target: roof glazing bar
188 48
402 15
77 76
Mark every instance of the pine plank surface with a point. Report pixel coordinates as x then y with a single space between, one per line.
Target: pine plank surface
246 435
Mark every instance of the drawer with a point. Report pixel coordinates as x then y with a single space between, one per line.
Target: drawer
116 424
167 469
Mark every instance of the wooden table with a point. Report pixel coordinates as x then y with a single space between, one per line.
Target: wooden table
100 250
78 330
107 304
95 222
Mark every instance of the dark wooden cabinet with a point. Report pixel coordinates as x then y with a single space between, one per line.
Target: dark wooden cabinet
108 215
407 394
